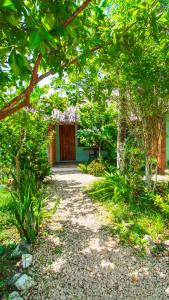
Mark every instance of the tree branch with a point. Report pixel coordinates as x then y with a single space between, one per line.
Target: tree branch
66 65
65 24
76 13
28 90
7 113
11 107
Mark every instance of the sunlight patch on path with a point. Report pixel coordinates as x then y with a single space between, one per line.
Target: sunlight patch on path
91 264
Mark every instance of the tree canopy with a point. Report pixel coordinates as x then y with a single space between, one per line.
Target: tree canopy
36 36
41 38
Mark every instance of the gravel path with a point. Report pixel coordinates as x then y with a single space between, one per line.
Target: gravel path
75 259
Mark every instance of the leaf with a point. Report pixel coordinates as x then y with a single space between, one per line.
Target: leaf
2 249
43 46
13 63
105 3
20 60
48 21
12 20
73 34
26 63
3 51
154 24
60 72
114 38
137 51
114 49
9 4
35 40
142 6
135 12
50 39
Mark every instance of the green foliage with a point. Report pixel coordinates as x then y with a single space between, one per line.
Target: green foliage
29 28
4 175
8 240
135 158
96 167
113 186
7 230
134 64
83 167
98 127
7 266
58 250
133 210
28 206
128 34
24 143
133 58
2 284
162 202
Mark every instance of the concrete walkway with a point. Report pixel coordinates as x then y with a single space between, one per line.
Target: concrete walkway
76 259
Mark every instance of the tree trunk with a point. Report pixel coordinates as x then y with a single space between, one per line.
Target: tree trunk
148 172
99 152
17 157
17 166
121 136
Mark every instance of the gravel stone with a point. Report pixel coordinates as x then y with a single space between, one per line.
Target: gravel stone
26 260
14 278
17 252
148 239
15 296
20 249
166 243
24 282
167 290
92 265
25 247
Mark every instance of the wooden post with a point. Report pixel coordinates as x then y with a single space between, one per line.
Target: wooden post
52 145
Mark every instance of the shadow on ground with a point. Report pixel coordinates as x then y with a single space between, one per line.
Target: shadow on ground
75 259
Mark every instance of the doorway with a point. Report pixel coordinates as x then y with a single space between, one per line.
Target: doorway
67 142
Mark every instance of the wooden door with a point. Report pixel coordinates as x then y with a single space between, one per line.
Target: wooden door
67 142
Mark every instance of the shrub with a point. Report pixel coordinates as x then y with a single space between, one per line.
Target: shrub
162 202
96 168
4 174
24 140
83 167
27 205
113 186
36 162
133 209
135 158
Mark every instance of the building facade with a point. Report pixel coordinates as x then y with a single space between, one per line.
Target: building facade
65 146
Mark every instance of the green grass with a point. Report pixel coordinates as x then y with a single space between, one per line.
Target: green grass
83 167
8 240
7 266
96 167
8 232
129 217
58 250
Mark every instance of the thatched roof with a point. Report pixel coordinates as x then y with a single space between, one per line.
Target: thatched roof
69 116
